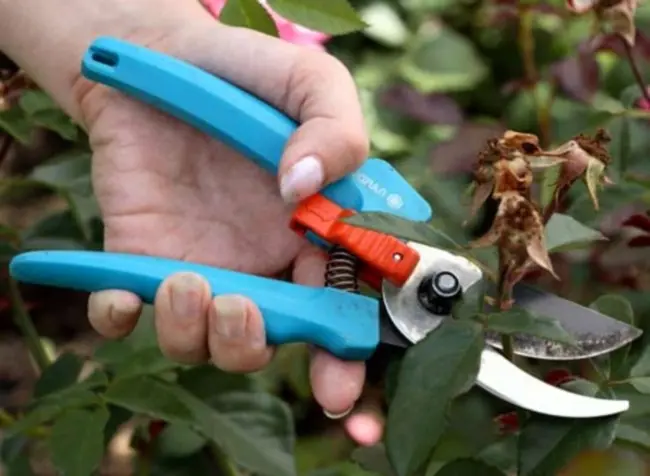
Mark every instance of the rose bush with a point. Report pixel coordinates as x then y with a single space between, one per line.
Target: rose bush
524 123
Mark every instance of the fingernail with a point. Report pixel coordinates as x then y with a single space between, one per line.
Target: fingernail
337 416
121 310
186 295
302 180
230 319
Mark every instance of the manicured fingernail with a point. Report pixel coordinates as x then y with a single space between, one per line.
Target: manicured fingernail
302 180
186 295
337 416
231 317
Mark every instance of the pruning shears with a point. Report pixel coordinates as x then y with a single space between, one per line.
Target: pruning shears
419 284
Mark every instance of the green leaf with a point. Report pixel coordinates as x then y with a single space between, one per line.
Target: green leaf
61 374
426 396
333 17
207 381
442 60
77 441
384 24
641 367
170 402
622 155
64 171
265 416
373 459
634 432
51 406
148 361
401 228
642 384
43 111
249 14
547 445
621 309
468 467
521 321
178 440
15 123
564 233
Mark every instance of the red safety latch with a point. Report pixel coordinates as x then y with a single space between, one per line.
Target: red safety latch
384 256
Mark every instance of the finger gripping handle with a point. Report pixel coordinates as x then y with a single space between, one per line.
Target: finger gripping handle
238 118
345 324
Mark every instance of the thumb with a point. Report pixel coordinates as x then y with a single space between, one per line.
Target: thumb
331 141
311 86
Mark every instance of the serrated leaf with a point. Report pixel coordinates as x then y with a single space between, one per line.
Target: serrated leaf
77 441
521 321
423 395
402 228
333 17
170 402
547 445
564 233
61 374
441 60
249 14
468 467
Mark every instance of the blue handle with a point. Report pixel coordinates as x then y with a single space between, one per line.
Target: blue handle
239 119
345 324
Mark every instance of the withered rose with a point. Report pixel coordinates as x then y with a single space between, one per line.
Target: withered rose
506 165
618 14
586 158
518 233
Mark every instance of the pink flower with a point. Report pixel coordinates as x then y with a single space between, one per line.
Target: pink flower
287 30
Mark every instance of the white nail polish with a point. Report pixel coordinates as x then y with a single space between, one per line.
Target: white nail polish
338 416
302 180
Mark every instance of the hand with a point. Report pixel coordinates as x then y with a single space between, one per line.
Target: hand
165 189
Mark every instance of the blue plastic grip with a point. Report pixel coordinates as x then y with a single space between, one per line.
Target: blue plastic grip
239 119
345 324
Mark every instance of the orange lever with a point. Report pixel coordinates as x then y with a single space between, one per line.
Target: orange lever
385 255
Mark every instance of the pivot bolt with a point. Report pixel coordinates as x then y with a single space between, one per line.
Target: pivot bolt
439 292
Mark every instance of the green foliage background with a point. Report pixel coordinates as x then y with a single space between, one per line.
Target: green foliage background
436 78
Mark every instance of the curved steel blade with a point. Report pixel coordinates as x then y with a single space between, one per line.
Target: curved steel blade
595 333
505 380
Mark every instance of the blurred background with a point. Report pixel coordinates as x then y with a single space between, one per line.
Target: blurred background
437 79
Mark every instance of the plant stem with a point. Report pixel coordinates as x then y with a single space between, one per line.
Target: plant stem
526 43
26 326
508 350
629 53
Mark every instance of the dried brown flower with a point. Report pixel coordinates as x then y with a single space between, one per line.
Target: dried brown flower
12 87
506 164
518 232
618 14
586 158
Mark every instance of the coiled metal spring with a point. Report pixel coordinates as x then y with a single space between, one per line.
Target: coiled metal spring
341 270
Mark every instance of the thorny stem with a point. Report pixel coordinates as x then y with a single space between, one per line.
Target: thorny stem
629 53
526 42
26 326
